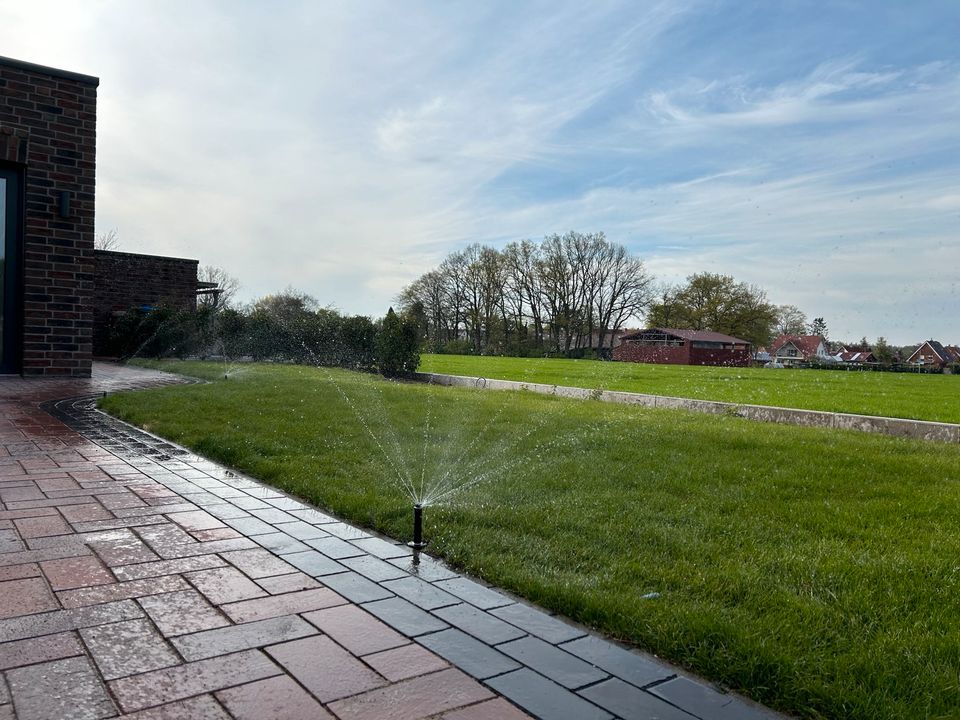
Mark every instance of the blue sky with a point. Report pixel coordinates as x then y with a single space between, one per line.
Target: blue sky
812 148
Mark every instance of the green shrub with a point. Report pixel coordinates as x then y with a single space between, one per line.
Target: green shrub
397 344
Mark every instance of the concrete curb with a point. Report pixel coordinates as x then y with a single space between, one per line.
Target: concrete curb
897 427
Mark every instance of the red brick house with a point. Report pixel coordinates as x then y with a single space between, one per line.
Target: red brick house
934 354
48 122
794 349
675 346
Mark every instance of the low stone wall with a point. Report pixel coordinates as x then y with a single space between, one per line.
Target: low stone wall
898 427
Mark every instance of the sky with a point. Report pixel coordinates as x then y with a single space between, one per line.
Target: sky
345 148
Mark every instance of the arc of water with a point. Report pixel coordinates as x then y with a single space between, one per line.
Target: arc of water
405 481
442 488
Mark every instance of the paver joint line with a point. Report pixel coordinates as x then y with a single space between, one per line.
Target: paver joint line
118 549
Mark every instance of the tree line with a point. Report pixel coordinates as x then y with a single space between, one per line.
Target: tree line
570 292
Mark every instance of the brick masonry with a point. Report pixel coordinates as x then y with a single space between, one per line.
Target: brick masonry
129 280
48 133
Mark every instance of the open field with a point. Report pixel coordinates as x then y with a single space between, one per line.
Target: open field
905 395
816 571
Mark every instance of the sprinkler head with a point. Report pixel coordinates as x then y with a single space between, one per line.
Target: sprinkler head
418 544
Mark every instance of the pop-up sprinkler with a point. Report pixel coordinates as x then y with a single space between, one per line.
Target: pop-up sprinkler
418 544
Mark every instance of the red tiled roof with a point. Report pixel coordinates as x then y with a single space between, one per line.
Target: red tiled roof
701 335
806 344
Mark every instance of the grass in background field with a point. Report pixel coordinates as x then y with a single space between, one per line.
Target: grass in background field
816 571
906 395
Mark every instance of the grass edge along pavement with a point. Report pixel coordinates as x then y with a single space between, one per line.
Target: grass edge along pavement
914 396
811 570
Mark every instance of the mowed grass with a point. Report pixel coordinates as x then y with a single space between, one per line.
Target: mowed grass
905 395
815 571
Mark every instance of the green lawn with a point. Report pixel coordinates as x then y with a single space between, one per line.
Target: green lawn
815 571
907 395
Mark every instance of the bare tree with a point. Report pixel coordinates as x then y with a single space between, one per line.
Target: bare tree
109 240
791 320
225 286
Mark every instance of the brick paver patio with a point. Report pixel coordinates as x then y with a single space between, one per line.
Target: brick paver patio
142 581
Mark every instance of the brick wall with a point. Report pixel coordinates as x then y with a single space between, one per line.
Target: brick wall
48 133
661 354
680 355
128 280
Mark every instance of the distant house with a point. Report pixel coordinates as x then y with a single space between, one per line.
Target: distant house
855 354
674 346
794 349
933 354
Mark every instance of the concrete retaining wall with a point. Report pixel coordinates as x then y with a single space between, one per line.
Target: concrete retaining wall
916 429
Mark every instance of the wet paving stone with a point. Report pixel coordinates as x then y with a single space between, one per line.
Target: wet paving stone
548 660
374 568
128 648
412 699
420 593
356 588
303 531
277 605
481 625
334 547
258 563
206 548
469 654
123 551
203 707
234 638
280 584
405 617
120 591
71 573
280 543
179 613
381 548
167 567
42 526
224 585
41 649
273 516
278 698
704 701
314 563
496 709
59 689
474 593
183 681
250 526
405 662
25 597
358 631
328 671
624 664
538 623
543 698
631 703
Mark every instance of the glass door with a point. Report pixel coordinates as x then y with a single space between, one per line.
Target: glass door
9 271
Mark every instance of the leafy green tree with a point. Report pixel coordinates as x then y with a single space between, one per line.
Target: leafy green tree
883 352
397 345
710 301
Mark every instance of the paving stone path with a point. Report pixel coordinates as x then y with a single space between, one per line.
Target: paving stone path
142 581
